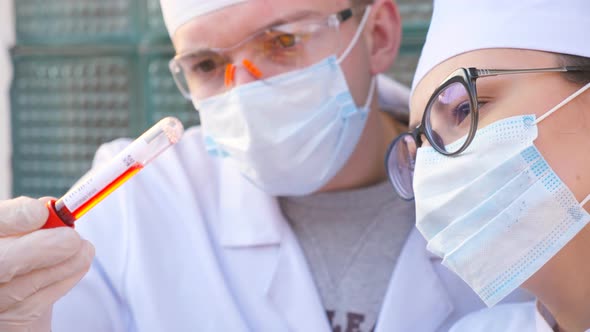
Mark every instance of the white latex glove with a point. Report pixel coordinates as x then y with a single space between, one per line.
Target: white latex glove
37 267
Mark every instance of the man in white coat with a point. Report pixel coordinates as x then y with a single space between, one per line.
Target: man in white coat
274 215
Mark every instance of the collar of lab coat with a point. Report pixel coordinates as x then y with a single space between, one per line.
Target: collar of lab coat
252 224
417 299
248 217
394 98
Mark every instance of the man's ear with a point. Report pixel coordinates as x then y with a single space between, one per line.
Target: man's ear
384 34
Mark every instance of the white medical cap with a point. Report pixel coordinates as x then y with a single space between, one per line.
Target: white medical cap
459 26
178 12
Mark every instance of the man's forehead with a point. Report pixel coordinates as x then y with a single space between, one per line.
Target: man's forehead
225 27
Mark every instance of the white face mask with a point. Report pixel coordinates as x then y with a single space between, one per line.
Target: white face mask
497 212
289 135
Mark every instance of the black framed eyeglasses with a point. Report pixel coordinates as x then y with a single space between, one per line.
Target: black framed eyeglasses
449 122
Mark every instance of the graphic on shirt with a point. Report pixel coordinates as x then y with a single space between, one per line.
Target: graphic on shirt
351 243
353 323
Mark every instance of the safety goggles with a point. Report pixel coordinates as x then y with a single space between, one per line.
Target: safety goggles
449 122
283 48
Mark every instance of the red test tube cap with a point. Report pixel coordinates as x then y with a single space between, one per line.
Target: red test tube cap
54 220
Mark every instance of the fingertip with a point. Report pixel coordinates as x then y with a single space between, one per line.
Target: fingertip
88 252
89 247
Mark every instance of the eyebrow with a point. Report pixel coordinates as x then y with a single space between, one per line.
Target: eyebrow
299 15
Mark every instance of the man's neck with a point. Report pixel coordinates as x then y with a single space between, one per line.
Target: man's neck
366 165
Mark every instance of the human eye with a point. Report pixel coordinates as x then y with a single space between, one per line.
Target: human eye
460 112
278 41
281 47
285 40
452 105
205 65
201 64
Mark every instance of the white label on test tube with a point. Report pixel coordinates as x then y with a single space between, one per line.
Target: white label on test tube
95 181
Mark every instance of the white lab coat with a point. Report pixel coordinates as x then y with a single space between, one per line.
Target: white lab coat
190 245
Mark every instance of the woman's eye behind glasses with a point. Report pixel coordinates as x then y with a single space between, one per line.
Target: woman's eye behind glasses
448 115
451 107
460 112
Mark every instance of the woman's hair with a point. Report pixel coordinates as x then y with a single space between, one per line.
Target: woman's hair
573 60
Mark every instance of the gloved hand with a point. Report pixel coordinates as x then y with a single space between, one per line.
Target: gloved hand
37 267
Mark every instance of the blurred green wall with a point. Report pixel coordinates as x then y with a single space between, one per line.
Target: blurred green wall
89 71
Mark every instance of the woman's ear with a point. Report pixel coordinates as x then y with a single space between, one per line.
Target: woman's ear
384 33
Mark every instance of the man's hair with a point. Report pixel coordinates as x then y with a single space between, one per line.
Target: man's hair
573 60
358 3
358 7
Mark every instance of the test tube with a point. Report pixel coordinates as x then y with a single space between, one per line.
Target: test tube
98 184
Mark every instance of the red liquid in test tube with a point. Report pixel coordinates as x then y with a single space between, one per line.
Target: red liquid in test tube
98 184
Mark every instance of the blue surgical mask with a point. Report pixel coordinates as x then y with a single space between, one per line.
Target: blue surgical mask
289 135
498 212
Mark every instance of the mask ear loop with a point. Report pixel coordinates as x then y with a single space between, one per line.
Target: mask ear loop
349 48
563 103
357 35
557 107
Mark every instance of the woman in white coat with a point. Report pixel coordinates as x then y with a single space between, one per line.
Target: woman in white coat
499 154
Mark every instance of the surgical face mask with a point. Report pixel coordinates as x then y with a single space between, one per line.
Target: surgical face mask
290 134
497 212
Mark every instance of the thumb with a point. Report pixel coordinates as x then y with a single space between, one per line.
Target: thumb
21 215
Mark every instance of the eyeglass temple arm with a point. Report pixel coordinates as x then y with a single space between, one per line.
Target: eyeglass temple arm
494 72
